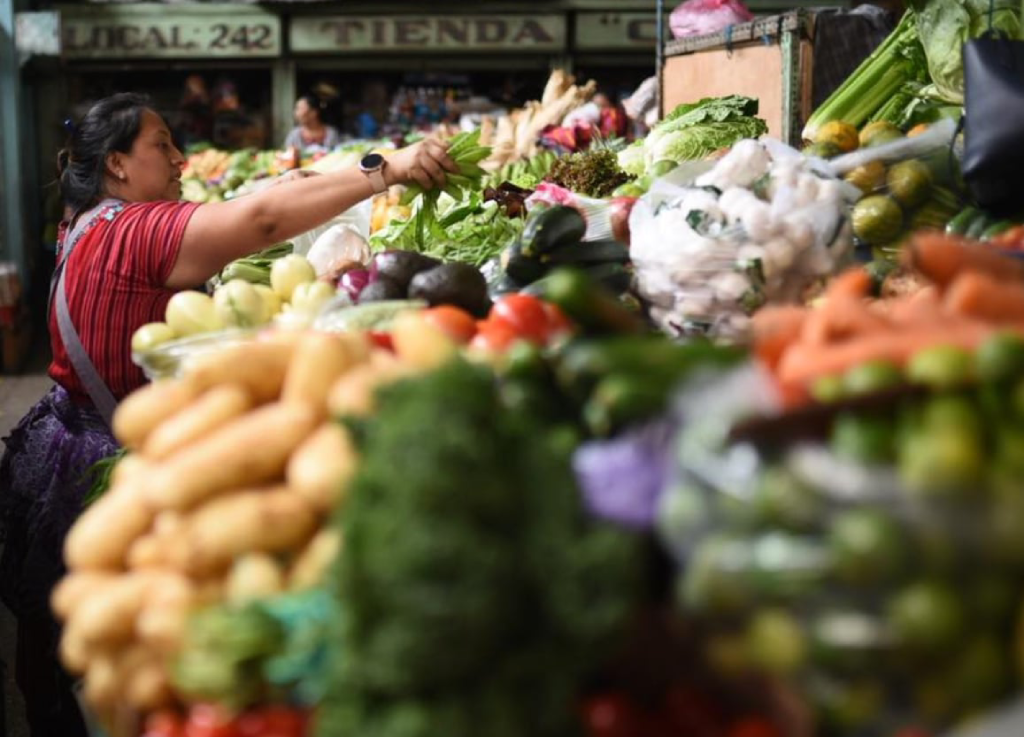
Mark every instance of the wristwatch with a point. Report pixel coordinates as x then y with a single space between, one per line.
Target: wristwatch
372 165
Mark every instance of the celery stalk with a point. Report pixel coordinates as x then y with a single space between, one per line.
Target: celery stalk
872 84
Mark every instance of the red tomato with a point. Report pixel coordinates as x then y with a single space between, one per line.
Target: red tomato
754 727
494 336
692 712
273 721
610 715
209 720
456 323
381 340
164 724
524 314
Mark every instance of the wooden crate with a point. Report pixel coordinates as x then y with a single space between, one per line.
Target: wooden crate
769 59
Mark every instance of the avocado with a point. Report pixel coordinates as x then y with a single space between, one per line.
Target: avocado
401 266
456 284
382 288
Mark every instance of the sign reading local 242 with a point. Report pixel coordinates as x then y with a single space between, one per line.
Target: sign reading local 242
97 35
426 34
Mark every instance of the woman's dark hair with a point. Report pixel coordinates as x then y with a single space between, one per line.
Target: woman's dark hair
315 103
112 124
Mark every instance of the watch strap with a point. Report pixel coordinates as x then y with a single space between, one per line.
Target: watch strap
376 177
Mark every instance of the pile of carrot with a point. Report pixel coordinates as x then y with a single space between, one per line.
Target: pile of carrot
973 292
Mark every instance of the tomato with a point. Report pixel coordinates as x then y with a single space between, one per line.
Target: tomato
754 727
610 715
164 724
456 323
272 721
525 314
692 712
494 336
381 340
210 720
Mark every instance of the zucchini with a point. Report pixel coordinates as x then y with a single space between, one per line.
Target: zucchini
553 226
996 229
615 277
978 226
519 266
620 400
958 225
586 252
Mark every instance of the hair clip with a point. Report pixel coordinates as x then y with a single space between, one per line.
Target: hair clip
70 127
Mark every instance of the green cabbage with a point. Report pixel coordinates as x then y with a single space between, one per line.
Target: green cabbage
698 141
945 25
631 159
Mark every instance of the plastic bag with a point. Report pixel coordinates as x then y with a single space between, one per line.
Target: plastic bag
606 219
698 17
761 225
337 239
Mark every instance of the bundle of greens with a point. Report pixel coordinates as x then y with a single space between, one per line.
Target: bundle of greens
474 592
593 172
254 268
693 131
472 232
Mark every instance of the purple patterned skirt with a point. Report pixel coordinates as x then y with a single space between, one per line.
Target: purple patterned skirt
43 479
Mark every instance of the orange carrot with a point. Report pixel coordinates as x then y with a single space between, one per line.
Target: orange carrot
982 296
805 362
941 258
851 283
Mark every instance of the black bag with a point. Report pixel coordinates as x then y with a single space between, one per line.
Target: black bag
993 160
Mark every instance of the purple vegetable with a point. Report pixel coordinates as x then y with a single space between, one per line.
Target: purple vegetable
354 281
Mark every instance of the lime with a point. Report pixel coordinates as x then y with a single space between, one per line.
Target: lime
1000 356
841 135
909 182
865 439
872 376
941 367
877 219
926 616
951 412
868 178
782 500
827 389
937 462
867 546
776 642
823 150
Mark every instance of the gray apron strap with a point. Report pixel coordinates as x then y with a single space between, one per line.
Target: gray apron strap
97 389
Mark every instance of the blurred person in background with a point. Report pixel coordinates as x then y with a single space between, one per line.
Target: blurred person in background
311 130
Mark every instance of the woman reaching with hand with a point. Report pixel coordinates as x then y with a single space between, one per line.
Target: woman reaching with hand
128 245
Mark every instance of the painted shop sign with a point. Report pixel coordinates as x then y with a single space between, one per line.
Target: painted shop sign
618 31
428 34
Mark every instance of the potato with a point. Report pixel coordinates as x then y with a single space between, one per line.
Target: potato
162 621
102 684
321 467
319 360
75 587
311 566
108 617
419 343
258 366
263 520
149 687
102 535
146 552
74 650
254 576
249 450
211 410
144 409
128 470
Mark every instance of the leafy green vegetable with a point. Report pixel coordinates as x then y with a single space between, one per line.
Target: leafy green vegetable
99 475
594 172
946 25
696 142
474 592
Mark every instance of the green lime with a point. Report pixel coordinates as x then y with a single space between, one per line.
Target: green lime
867 546
951 412
823 150
941 367
782 500
909 182
872 376
827 389
939 462
926 616
776 642
877 219
863 438
850 707
1000 356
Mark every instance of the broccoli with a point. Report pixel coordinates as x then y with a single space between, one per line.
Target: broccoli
474 592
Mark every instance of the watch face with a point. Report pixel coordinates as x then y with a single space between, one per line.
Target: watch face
372 161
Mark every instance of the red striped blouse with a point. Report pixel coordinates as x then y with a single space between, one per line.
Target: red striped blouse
115 283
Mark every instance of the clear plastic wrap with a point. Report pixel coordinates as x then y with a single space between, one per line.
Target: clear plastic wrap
713 243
